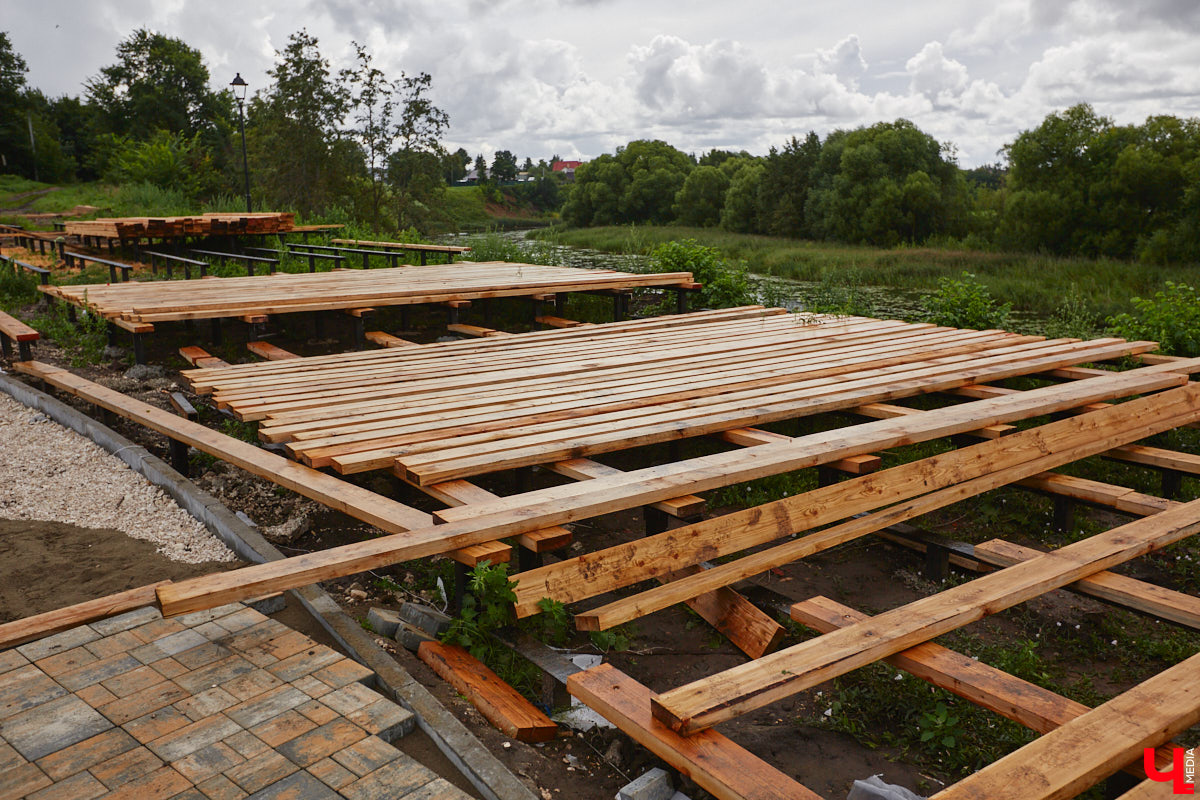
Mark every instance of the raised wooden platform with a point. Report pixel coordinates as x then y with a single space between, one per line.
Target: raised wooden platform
285 293
212 224
221 703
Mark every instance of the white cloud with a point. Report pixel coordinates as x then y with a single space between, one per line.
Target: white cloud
932 74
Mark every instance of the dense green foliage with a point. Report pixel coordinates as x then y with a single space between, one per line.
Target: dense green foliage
1171 318
964 302
725 281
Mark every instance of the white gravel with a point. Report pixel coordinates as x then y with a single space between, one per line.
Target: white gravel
53 474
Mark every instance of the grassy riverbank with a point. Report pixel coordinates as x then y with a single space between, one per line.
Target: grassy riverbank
1032 283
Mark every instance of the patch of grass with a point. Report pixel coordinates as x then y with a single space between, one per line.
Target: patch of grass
83 341
1034 284
17 287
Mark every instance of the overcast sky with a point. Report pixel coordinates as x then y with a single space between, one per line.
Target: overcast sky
579 77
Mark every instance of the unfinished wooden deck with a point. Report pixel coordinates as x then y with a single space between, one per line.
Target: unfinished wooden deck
456 410
146 303
437 414
221 703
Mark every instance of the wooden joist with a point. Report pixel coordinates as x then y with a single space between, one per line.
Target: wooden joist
1023 702
61 619
199 357
1148 598
715 763
728 694
1090 747
387 340
511 713
269 351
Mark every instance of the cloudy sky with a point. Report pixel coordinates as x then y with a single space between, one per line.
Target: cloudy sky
579 77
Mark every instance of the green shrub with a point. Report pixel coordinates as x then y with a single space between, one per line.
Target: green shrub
726 284
17 287
840 293
84 340
1171 318
965 303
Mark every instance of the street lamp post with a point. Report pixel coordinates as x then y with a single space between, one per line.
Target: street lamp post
239 92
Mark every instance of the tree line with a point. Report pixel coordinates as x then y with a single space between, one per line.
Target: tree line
348 144
1077 184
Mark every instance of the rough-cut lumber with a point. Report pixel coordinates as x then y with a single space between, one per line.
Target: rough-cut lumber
211 224
269 351
752 630
1023 702
434 248
715 763
475 330
384 339
511 713
976 469
584 469
1066 761
733 692
1130 592
199 357
461 493
39 625
561 504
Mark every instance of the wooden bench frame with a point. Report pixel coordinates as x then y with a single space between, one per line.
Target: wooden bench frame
170 259
312 257
249 260
13 330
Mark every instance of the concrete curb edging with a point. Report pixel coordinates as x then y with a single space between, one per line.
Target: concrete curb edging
485 772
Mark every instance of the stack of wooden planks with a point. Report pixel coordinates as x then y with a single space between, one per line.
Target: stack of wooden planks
211 224
283 293
456 410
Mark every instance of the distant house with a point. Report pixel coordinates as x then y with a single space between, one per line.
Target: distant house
567 168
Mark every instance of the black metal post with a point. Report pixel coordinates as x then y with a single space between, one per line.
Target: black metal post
245 162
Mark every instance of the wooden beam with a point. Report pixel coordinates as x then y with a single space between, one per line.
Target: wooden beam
269 351
511 713
995 463
39 625
752 630
1148 598
462 493
753 437
716 764
387 340
475 330
1023 702
740 689
1066 761
585 469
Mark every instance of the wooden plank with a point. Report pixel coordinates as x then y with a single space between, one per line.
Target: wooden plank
475 554
752 437
269 351
462 493
584 469
730 693
716 764
199 357
475 330
499 703
387 340
561 504
558 322
1023 702
751 630
1072 758
1148 598
975 469
39 625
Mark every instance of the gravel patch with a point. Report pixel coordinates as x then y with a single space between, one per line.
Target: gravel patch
53 474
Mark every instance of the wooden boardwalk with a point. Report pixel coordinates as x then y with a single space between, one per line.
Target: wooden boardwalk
136 303
221 703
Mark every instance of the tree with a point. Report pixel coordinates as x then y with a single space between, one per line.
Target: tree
636 184
701 198
527 167
504 166
372 104
784 187
414 169
480 168
158 83
302 160
14 133
454 165
741 211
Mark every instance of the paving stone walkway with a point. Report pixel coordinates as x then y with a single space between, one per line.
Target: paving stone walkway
219 704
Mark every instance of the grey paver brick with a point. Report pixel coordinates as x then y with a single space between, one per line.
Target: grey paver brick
22 780
10 660
350 697
202 655
208 761
127 621
304 663
311 747
80 786
218 787
214 674
136 680
384 719
36 651
157 629
261 771
366 755
141 703
25 688
332 774
253 683
270 704
211 631
163 782
79 757
297 786
190 738
178 642
437 789
391 781
125 768
345 672
208 614
120 642
246 744
241 620
207 703
52 726
67 660
98 671
156 724
282 728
